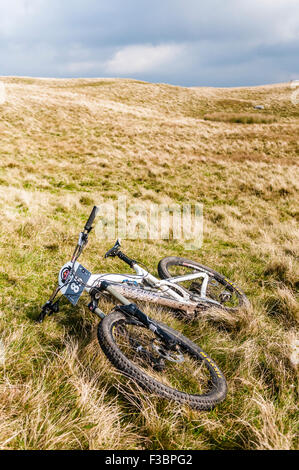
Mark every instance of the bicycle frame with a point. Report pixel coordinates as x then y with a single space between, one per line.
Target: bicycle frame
148 282
165 292
166 286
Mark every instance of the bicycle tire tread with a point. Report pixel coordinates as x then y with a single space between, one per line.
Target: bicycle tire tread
119 360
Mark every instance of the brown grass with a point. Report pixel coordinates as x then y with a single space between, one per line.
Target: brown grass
69 144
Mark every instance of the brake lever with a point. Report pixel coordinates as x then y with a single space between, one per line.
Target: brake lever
48 309
113 251
83 239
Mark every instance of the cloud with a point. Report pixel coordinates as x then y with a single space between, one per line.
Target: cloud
14 13
142 58
82 68
186 42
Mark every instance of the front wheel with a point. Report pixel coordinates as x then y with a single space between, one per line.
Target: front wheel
219 288
187 374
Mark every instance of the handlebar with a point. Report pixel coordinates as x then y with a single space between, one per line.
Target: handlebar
83 237
115 251
90 221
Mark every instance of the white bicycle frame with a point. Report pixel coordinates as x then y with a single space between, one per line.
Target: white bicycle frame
74 279
144 279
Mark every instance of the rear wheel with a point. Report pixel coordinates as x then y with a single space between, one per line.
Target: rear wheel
219 288
185 374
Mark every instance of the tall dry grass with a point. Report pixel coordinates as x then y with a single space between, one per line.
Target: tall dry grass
69 144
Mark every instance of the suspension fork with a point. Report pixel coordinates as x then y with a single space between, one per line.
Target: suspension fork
131 310
96 293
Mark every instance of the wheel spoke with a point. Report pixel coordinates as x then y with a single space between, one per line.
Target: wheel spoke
179 370
216 288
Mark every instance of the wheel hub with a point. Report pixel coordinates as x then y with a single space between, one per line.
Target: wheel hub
225 296
172 356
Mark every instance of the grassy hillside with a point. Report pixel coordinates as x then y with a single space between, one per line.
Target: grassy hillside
69 144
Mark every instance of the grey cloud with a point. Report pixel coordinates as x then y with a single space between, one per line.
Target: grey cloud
225 43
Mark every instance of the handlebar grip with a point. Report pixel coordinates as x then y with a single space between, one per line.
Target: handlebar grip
126 259
91 218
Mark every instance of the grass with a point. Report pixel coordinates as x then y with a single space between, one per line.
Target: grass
242 118
69 144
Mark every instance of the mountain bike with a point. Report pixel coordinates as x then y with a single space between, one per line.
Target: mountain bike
184 285
158 358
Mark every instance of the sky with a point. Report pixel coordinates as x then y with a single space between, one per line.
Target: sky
181 42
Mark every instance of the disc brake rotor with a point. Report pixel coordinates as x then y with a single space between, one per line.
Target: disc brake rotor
172 356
